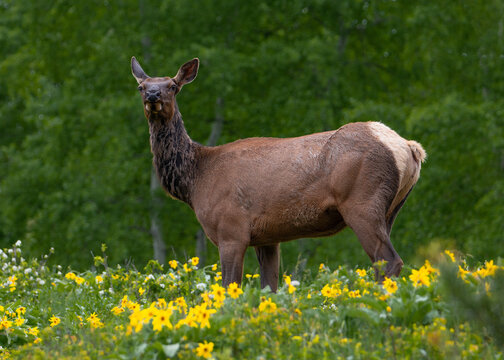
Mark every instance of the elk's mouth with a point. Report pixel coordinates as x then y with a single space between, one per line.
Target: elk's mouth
153 106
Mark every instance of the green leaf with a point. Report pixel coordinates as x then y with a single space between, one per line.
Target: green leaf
171 350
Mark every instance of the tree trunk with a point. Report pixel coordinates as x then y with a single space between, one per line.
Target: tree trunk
158 245
201 243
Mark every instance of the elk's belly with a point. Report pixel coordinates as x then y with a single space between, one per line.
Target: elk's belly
294 223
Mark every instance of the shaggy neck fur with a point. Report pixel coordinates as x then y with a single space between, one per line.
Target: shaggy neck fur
174 155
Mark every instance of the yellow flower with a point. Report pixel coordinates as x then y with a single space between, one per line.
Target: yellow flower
321 267
181 305
173 264
5 323
19 321
287 279
162 318
420 277
195 261
234 290
33 331
141 290
70 276
37 341
450 255
292 288
219 293
389 309
186 268
20 310
214 267
201 314
204 349
267 306
115 277
161 303
390 285
79 280
330 291
361 272
117 310
124 301
98 279
54 320
354 294
94 321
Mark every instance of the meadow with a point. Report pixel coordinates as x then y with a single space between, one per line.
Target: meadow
183 312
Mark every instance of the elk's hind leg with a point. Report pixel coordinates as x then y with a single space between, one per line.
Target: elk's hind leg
371 229
268 257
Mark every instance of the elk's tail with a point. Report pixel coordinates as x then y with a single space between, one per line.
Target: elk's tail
417 151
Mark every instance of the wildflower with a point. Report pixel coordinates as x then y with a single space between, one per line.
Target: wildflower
267 306
70 276
219 293
54 320
218 276
201 286
94 321
361 272
390 285
429 268
98 279
488 270
117 310
19 321
204 349
462 272
173 264
79 280
330 291
37 341
33 331
321 267
420 277
115 277
194 261
234 290
389 309
354 294
162 318
161 303
181 305
20 310
214 267
450 255
141 290
124 301
5 323
202 315
186 268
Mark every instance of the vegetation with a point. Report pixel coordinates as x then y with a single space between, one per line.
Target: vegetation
183 312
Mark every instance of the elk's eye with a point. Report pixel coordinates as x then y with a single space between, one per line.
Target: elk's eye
140 88
173 87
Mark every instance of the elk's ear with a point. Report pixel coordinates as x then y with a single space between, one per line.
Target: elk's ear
137 71
187 72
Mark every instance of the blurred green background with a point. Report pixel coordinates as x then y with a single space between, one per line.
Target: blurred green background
75 161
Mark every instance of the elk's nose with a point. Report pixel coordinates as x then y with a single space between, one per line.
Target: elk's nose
153 95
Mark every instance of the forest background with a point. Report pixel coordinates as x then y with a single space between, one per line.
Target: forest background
75 161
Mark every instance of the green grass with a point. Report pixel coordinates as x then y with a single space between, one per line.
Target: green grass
118 313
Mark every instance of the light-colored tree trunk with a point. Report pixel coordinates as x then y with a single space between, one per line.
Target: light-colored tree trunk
156 229
201 243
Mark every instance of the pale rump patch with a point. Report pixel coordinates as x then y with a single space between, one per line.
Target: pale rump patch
407 155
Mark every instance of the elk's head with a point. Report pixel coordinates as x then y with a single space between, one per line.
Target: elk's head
158 93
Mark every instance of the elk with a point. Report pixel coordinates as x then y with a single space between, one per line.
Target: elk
263 191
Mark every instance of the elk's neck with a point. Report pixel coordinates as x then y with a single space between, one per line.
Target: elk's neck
174 155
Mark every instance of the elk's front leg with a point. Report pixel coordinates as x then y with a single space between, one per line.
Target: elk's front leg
231 258
268 257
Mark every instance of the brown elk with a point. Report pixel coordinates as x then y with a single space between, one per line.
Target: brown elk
262 191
